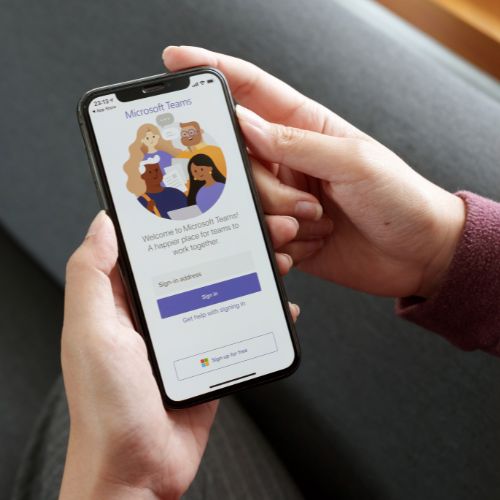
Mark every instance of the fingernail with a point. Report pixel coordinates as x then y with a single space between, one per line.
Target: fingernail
294 220
165 50
96 223
308 210
288 258
250 117
296 307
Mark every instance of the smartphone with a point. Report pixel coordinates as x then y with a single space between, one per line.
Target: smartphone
172 171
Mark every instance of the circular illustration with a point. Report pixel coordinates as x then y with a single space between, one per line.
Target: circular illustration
175 170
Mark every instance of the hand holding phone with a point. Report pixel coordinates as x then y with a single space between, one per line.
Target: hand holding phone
119 423
123 444
395 232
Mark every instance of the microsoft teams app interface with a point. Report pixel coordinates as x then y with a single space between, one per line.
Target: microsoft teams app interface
193 237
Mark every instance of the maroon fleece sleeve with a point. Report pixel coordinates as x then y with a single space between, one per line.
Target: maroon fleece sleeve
466 308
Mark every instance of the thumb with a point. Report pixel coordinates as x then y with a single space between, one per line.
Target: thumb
89 295
322 156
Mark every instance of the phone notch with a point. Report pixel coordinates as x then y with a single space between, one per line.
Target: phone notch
160 85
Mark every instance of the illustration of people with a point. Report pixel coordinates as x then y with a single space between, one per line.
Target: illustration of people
148 144
146 183
184 191
192 139
206 182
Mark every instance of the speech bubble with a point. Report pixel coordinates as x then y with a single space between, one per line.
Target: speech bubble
170 133
165 119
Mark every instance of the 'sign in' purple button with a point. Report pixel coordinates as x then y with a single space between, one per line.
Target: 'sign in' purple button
208 295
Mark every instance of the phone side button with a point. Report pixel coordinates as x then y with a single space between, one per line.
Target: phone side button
100 197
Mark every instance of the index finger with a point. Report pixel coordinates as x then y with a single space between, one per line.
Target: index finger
263 93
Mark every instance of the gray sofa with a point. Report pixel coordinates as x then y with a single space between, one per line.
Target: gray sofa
379 407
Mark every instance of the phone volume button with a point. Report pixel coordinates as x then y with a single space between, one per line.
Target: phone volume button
100 197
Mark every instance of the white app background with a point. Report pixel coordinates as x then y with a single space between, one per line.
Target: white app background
237 339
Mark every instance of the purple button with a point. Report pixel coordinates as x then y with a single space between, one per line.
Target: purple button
208 295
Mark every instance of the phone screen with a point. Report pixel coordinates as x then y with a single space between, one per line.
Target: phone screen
197 254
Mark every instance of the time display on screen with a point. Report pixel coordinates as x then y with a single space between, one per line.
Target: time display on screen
103 101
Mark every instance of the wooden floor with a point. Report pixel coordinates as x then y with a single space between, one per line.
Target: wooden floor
471 28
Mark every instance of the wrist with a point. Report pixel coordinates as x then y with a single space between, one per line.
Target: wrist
81 484
451 216
88 474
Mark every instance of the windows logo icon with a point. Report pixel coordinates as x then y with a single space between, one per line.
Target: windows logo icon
204 362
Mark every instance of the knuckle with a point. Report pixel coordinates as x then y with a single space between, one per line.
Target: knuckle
286 139
360 149
365 152
365 156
